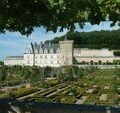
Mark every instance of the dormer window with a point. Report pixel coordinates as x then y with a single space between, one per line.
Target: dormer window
51 51
45 51
41 51
36 51
58 50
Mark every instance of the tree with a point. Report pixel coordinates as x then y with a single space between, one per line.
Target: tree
60 76
81 73
1 63
25 73
24 15
68 73
116 53
93 40
2 74
37 74
48 71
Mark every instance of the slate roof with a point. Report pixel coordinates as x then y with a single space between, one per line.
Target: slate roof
53 46
14 57
37 47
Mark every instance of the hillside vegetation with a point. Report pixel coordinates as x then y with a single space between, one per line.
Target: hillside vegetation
93 40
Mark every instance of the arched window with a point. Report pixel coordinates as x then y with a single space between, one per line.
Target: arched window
83 62
99 62
91 62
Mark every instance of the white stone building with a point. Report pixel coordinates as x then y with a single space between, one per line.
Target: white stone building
13 60
94 55
56 55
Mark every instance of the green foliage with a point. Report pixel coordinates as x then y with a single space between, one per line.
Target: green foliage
14 70
48 71
118 72
68 73
117 53
75 69
42 99
93 40
72 90
81 73
2 74
25 73
116 61
60 76
25 15
1 63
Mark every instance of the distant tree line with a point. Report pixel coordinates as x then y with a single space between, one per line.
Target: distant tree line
1 63
117 53
93 40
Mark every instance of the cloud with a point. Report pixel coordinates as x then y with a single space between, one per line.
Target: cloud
15 43
104 25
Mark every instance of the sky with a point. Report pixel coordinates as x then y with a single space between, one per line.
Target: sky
13 43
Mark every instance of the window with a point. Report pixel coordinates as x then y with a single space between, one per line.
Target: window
57 56
28 62
41 57
45 56
36 61
51 50
41 51
99 62
58 50
35 57
51 62
51 56
46 51
57 62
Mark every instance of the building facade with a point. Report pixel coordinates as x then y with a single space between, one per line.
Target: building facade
56 55
95 55
13 60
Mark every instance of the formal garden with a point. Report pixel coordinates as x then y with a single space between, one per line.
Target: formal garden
89 90
69 84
